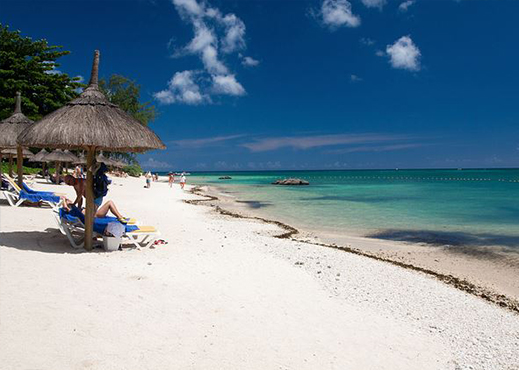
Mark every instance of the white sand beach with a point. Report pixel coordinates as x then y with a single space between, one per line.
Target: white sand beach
225 294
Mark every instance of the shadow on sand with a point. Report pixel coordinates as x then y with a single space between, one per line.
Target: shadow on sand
48 241
477 245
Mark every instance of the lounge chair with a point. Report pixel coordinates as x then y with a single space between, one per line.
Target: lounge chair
72 224
16 196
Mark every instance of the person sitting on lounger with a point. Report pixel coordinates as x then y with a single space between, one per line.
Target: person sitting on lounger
79 187
101 211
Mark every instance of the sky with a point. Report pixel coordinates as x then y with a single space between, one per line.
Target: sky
297 85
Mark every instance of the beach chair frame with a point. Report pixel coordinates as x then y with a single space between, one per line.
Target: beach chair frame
12 194
68 228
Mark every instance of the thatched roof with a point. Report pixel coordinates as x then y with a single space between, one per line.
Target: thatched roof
12 126
102 159
38 157
25 152
120 164
91 121
81 159
60 156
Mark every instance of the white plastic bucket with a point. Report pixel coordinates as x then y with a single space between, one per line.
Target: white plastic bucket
111 243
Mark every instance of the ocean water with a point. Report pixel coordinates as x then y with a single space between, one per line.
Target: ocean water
456 207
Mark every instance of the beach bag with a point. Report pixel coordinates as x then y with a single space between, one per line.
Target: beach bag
100 185
112 236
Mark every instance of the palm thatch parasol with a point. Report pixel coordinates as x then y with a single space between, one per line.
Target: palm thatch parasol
92 123
60 156
80 159
102 159
38 157
120 164
10 128
26 153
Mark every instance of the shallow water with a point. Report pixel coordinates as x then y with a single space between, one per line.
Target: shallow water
457 207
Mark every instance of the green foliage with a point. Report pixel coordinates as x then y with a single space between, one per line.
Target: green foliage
126 94
26 170
30 67
134 170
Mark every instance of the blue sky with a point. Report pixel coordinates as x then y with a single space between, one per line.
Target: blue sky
257 85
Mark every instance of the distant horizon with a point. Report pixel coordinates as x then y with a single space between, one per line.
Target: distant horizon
347 169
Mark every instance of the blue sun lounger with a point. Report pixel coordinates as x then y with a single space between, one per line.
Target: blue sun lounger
16 196
73 222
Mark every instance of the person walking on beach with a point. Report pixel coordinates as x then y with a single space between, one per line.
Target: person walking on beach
171 179
148 179
182 181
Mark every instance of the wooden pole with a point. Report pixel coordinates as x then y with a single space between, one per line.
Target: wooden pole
89 213
19 162
1 163
57 173
10 165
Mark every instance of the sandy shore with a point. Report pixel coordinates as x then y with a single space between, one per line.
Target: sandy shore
225 294
476 265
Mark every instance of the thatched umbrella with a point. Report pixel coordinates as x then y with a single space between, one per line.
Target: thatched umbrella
10 128
60 156
102 159
120 164
38 157
92 123
80 159
26 153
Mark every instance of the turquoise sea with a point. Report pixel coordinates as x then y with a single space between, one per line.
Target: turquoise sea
457 207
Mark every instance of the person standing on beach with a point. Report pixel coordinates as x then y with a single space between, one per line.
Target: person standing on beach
182 181
148 180
171 179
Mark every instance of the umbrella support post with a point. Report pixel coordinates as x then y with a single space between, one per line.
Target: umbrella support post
89 213
1 164
19 164
10 165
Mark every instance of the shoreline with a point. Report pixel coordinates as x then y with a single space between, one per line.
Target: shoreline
490 295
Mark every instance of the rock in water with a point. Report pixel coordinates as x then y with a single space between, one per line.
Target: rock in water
291 182
225 178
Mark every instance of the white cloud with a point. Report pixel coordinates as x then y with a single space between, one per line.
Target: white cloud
377 148
404 54
403 7
250 62
308 142
227 85
215 35
154 164
355 78
380 53
367 41
234 34
338 13
182 88
374 3
207 141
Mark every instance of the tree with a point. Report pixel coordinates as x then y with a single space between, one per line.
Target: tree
31 67
126 94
